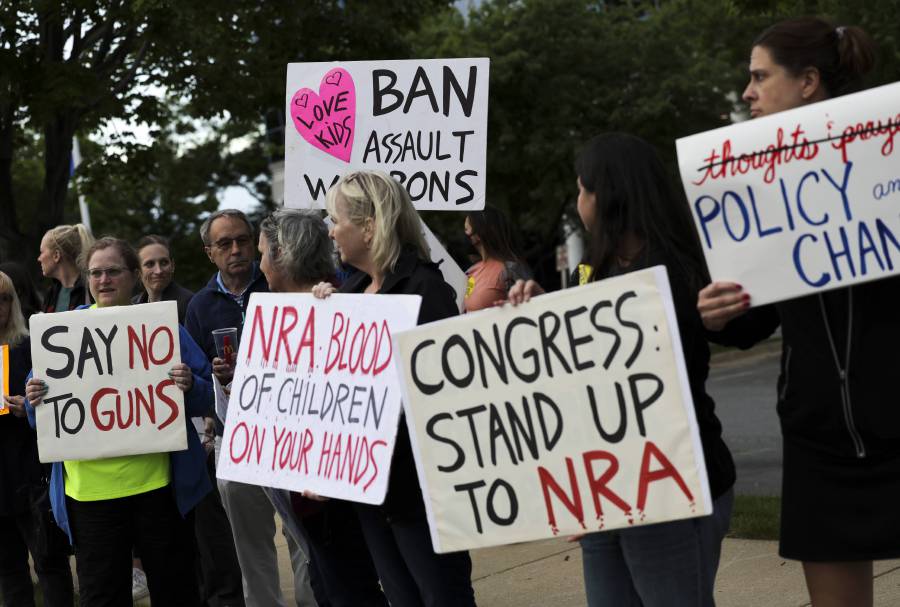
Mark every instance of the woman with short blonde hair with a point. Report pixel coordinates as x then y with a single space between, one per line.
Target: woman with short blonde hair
62 249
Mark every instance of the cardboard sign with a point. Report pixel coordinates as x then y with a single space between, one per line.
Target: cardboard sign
800 201
315 400
422 121
107 370
4 378
569 414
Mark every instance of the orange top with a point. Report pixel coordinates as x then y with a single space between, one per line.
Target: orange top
486 285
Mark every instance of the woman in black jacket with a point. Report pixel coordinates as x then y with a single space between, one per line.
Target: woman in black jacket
21 531
377 230
836 397
636 220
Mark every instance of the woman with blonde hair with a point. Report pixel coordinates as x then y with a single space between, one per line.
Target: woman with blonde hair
20 476
60 259
377 230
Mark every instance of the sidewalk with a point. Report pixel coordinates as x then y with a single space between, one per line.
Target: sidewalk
544 573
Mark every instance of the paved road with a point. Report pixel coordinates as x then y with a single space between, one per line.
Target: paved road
744 391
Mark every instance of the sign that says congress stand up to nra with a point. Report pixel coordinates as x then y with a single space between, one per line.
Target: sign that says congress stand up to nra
107 371
803 200
422 121
314 402
569 414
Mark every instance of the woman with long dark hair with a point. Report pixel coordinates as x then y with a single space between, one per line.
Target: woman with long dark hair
636 219
836 395
501 265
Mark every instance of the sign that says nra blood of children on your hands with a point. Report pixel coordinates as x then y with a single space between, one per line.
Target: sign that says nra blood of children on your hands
314 402
422 121
569 414
803 200
107 371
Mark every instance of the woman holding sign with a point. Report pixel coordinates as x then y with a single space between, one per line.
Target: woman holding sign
837 395
377 230
637 220
107 506
21 474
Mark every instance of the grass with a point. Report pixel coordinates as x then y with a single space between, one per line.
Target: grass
755 517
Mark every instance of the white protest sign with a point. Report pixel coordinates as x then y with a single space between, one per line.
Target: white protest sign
569 414
107 370
422 121
315 400
800 201
452 273
4 377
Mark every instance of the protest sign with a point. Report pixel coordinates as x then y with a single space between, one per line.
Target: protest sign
800 201
422 121
4 377
107 370
569 414
314 403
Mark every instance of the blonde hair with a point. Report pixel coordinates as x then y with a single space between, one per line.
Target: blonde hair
71 242
15 330
377 195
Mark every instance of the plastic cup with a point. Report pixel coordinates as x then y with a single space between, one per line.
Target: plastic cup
226 340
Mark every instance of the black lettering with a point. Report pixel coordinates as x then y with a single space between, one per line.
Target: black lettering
432 433
66 369
379 92
467 99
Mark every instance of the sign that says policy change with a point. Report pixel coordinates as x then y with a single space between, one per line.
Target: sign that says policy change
314 402
803 200
569 414
107 371
422 121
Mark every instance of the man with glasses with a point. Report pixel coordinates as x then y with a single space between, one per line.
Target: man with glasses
228 241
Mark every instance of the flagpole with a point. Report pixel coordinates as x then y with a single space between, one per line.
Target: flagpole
82 203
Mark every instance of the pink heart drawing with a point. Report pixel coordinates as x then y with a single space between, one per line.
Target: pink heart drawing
327 119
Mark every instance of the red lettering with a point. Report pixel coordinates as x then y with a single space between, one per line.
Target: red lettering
283 333
378 443
140 344
647 476
335 333
242 426
169 353
95 413
573 504
259 328
308 340
385 333
598 485
173 406
304 451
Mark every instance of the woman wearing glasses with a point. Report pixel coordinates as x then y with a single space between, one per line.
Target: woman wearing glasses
107 506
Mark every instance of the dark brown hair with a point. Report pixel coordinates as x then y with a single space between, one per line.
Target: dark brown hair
843 55
150 239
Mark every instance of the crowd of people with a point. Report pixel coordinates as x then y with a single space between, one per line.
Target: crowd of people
165 521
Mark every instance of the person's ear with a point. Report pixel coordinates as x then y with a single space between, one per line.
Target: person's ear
369 230
811 84
208 251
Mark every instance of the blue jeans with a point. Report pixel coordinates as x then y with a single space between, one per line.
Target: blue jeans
668 564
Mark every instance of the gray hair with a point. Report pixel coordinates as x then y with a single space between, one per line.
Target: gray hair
299 245
207 223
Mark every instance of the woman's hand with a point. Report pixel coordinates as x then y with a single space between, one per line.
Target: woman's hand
575 538
323 290
35 391
522 291
223 371
314 496
183 377
15 404
719 302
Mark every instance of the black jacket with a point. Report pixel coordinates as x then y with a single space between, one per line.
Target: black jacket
719 463
174 292
840 357
411 276
19 465
79 297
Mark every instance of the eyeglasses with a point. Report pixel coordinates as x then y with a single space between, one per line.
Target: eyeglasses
226 244
113 272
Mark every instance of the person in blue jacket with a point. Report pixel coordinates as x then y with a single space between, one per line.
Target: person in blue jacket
107 506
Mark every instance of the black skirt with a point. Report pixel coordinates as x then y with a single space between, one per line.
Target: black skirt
837 508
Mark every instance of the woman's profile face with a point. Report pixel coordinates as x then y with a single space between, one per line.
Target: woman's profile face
48 258
773 88
271 271
586 205
351 240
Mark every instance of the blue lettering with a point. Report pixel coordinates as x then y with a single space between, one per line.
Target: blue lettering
837 254
744 215
823 279
706 217
885 234
800 201
759 229
787 205
867 246
842 188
